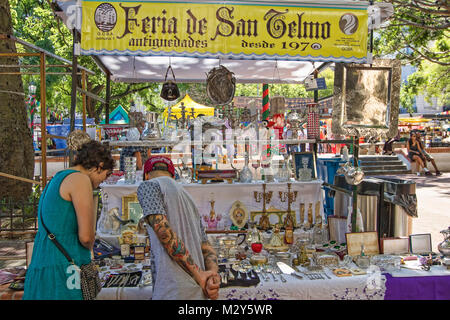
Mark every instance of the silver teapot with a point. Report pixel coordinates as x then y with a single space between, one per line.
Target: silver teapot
444 246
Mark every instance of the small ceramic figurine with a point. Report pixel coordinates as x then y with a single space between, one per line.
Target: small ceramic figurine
276 240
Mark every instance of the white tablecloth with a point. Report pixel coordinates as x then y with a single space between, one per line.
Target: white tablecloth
362 287
226 194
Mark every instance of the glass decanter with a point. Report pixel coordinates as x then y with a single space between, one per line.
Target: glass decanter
246 175
305 173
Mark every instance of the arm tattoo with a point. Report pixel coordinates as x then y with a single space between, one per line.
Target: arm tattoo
174 246
209 256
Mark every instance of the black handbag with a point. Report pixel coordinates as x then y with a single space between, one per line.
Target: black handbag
89 278
170 89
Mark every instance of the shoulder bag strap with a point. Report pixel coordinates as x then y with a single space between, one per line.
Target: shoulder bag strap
51 236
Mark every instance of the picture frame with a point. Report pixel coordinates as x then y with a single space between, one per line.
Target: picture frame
297 160
367 98
337 228
368 239
420 243
395 245
131 209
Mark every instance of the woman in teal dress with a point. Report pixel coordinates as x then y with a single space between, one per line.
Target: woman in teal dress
67 208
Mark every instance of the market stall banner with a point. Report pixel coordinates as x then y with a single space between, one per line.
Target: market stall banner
245 30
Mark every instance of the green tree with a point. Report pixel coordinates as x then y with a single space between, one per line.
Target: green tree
16 146
418 34
35 22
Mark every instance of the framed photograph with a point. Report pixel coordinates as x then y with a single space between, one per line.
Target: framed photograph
337 227
356 239
420 243
306 163
131 209
397 245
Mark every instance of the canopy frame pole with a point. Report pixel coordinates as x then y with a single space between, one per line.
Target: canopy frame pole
73 104
108 96
83 85
43 121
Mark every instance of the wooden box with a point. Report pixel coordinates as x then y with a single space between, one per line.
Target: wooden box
395 246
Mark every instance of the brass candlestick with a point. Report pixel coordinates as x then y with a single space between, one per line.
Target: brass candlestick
183 115
290 197
318 219
302 215
265 197
310 216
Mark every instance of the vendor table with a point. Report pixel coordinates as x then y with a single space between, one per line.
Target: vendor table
226 194
373 286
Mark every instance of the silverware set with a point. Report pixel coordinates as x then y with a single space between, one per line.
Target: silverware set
242 274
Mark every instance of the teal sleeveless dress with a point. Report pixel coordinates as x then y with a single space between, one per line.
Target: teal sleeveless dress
50 276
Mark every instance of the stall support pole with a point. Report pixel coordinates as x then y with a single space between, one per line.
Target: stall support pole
315 146
108 96
355 188
73 104
83 85
43 123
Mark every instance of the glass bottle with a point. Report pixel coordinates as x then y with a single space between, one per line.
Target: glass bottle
362 260
246 175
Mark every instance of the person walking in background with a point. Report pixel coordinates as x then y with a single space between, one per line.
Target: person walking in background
184 264
426 155
67 208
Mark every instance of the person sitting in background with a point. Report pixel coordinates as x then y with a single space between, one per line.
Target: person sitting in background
415 154
427 156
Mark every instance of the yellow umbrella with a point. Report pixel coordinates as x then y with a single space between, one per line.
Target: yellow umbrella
413 120
189 104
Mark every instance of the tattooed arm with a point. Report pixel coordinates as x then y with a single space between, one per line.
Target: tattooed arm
176 249
210 258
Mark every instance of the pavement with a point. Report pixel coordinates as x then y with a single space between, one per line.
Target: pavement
433 205
433 201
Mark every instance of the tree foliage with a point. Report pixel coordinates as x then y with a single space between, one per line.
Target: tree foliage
35 22
418 34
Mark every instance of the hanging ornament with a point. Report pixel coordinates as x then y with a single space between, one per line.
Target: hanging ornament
220 85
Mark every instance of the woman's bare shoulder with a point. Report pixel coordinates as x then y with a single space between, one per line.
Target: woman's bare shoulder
77 180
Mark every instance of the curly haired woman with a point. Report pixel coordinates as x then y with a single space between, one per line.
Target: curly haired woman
67 208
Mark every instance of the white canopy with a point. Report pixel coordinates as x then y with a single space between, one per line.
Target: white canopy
153 69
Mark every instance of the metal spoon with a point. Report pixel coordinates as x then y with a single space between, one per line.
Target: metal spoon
270 270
